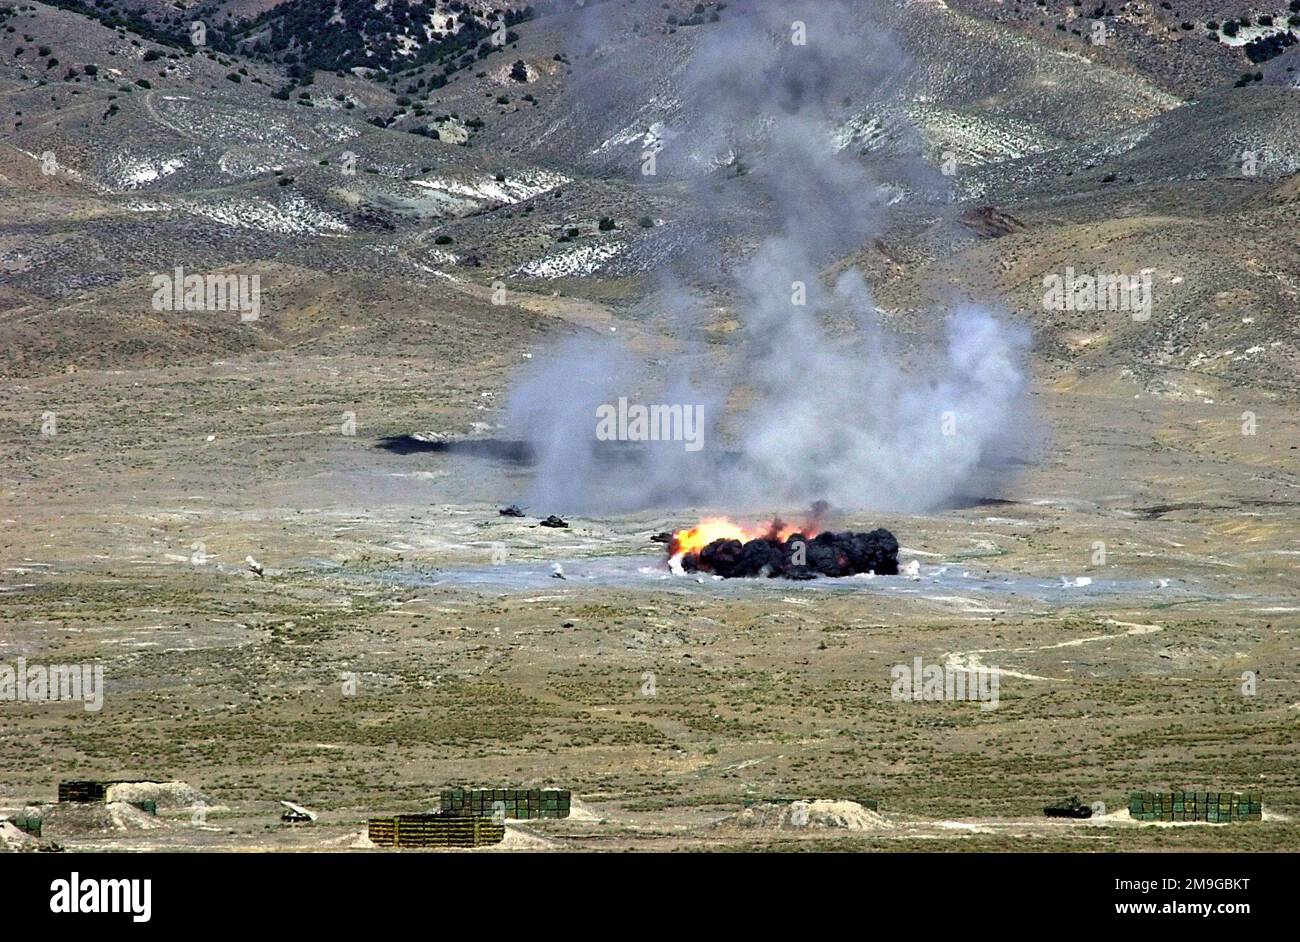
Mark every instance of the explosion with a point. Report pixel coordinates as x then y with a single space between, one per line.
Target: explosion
720 528
719 545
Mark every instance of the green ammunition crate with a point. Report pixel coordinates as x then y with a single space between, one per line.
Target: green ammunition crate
1178 805
29 825
516 803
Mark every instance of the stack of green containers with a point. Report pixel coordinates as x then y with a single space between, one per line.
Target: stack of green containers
29 825
1215 807
516 802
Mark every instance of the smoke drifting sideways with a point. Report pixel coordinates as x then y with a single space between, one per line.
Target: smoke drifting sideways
794 412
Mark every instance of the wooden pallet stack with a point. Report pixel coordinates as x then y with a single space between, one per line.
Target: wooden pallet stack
435 830
83 792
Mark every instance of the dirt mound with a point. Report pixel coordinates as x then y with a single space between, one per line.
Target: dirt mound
520 838
130 818
353 839
111 817
167 795
823 813
13 839
578 811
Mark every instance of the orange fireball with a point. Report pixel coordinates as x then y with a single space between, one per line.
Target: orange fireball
720 528
704 533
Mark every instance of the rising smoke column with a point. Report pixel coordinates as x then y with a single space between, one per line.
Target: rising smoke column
766 97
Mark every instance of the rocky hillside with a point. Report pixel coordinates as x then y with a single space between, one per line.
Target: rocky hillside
384 165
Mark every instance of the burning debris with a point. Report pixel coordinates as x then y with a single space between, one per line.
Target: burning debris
728 550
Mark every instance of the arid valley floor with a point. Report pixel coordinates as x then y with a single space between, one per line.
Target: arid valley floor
763 689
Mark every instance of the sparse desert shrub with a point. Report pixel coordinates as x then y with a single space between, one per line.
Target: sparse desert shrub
1263 48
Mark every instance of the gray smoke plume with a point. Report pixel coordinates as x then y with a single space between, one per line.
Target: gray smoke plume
795 411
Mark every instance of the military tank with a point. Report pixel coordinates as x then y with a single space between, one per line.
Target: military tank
1068 808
